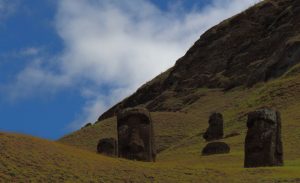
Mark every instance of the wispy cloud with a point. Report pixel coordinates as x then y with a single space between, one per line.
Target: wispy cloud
30 51
111 47
7 8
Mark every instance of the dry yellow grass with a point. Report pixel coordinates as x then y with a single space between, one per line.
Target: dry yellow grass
28 159
178 135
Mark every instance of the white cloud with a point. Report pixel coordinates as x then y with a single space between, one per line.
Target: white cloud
116 46
7 7
30 51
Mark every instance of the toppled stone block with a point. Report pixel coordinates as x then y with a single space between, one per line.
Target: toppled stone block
135 135
263 145
216 148
215 129
107 146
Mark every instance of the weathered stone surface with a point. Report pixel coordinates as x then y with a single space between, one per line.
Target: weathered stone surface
107 147
263 146
215 129
135 135
216 148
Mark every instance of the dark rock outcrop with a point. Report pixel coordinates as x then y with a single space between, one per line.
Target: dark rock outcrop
216 148
135 135
107 146
215 129
263 146
254 46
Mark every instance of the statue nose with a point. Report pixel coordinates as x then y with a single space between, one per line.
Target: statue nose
136 143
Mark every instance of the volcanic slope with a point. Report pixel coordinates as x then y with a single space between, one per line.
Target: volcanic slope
236 77
257 45
74 159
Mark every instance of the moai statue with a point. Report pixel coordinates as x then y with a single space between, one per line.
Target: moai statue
135 135
215 129
263 146
107 147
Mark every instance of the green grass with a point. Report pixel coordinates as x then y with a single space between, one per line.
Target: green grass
178 137
27 159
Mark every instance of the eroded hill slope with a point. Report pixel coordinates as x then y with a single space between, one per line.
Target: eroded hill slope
254 46
185 104
178 134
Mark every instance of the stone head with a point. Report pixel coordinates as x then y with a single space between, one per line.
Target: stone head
135 134
263 141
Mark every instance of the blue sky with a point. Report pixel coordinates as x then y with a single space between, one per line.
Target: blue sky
63 63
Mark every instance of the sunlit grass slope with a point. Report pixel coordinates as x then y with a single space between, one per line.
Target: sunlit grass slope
28 159
178 138
179 135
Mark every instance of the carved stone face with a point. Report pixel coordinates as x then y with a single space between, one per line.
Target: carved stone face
263 145
135 136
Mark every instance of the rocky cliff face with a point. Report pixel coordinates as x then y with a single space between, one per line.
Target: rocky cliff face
254 46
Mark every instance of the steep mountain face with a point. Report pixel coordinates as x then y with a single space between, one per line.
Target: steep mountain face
254 46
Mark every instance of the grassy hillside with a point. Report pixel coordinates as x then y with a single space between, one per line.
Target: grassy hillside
27 159
178 135
192 121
